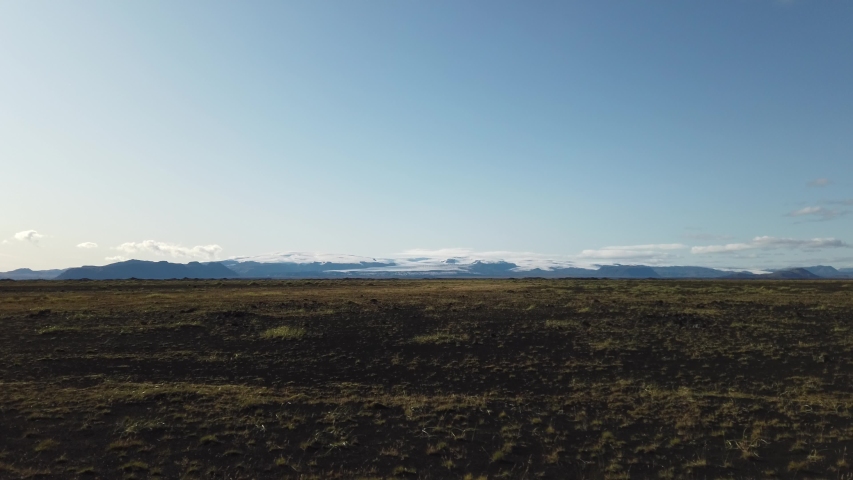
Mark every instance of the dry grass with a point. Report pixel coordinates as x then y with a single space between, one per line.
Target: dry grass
440 337
284 333
461 379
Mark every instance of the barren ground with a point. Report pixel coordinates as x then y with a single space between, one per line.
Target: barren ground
426 379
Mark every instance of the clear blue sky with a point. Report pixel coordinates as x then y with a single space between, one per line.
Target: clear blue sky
377 127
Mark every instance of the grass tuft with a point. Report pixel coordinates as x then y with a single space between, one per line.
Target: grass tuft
284 332
46 445
441 337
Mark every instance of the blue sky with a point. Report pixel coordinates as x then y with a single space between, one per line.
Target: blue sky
701 133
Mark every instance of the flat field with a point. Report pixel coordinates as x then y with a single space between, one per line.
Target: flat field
426 379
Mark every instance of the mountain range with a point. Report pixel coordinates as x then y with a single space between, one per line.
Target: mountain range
27 274
143 270
450 268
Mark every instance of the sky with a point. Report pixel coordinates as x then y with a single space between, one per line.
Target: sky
654 132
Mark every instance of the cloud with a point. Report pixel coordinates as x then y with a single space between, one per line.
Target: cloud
306 257
87 245
117 258
421 260
706 236
455 258
449 260
31 236
209 252
775 242
769 243
652 253
806 211
820 213
730 247
820 182
756 252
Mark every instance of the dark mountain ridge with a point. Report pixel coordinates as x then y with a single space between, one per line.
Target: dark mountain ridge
27 274
388 269
690 272
144 270
789 274
297 270
823 270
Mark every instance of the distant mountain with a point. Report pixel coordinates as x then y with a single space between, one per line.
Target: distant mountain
827 271
790 274
149 271
743 276
450 268
690 272
347 266
822 271
633 271
296 270
492 269
626 271
568 272
27 274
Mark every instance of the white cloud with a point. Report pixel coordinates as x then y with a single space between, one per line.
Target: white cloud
806 211
767 243
449 260
652 253
31 236
305 257
706 236
117 258
819 212
820 182
774 242
419 259
87 245
730 247
209 252
454 258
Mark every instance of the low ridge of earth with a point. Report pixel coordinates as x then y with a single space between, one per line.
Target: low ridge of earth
426 379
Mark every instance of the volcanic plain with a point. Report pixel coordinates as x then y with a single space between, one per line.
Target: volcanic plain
466 379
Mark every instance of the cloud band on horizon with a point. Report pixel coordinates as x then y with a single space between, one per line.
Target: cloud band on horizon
208 252
768 243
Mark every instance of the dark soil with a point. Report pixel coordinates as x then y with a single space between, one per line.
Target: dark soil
426 379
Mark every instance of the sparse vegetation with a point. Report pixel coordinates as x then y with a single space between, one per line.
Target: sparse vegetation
58 329
440 337
284 332
46 445
437 379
